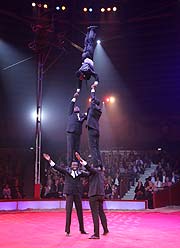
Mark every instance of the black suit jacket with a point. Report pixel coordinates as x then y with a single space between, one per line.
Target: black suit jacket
96 181
74 125
94 113
71 185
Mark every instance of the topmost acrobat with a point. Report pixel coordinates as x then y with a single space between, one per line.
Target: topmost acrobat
87 68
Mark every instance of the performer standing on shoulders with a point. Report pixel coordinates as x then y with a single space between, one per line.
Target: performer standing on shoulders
96 196
87 68
93 115
73 191
74 129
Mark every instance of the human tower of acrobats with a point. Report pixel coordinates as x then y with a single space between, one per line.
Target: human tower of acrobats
75 121
72 185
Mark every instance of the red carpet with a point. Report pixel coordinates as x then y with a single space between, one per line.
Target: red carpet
127 230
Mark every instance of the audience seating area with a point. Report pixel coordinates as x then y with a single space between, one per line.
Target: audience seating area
123 169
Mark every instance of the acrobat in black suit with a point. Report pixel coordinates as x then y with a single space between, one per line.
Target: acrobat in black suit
74 129
73 191
93 115
87 68
96 196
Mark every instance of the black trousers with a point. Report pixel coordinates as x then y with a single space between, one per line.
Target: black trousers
73 144
78 205
93 140
89 45
96 205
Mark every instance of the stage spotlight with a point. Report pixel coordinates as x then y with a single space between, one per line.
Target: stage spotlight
33 4
57 8
114 8
35 116
45 6
85 9
108 9
102 9
39 5
89 99
63 7
112 99
98 42
90 9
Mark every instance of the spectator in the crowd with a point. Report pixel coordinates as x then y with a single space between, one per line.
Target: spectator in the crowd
146 184
85 184
140 165
7 192
174 177
163 176
116 186
157 184
47 189
115 192
153 178
108 190
61 187
18 194
116 180
149 189
55 188
167 183
139 191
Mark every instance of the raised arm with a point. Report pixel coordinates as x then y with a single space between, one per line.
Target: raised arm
84 173
85 164
96 77
73 100
84 117
53 164
93 95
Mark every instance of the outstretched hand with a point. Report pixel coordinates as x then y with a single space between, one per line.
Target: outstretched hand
76 95
94 85
79 157
46 156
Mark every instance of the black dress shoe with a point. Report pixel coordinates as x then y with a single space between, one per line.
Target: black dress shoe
84 232
68 234
94 237
105 233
